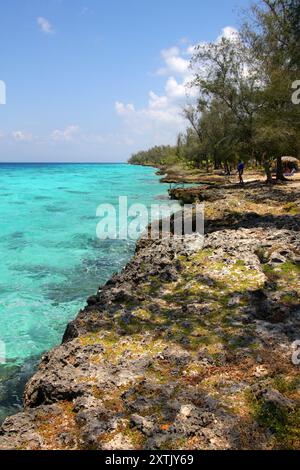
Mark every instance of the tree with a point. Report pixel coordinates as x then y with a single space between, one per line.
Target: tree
244 107
225 75
272 36
251 74
220 133
158 155
193 115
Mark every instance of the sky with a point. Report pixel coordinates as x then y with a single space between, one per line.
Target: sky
97 80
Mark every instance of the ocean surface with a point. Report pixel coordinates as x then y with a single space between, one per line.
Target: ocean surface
51 258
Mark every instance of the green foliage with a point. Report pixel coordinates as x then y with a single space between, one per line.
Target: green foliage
274 46
158 155
283 423
244 108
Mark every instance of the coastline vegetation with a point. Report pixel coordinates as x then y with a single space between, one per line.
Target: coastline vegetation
190 348
244 108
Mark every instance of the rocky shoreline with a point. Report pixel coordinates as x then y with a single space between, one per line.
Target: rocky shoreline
186 348
179 174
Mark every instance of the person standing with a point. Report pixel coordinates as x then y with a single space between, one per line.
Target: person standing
240 170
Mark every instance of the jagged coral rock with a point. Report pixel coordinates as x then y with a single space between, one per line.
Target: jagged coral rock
189 347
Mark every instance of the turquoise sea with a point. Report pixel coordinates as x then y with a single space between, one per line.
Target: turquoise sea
51 259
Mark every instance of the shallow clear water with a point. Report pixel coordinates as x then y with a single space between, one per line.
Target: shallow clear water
51 259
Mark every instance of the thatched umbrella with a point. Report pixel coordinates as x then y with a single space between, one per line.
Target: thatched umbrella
291 161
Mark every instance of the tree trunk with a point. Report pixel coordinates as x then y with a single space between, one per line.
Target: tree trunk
216 161
279 170
207 163
268 172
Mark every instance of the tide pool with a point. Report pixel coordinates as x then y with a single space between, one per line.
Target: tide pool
51 259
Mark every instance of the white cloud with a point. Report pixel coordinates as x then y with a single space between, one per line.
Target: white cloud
73 134
164 108
161 119
44 25
229 33
170 52
20 136
123 109
175 89
157 102
191 49
158 122
174 62
65 135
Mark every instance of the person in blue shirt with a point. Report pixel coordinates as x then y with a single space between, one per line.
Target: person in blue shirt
240 170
